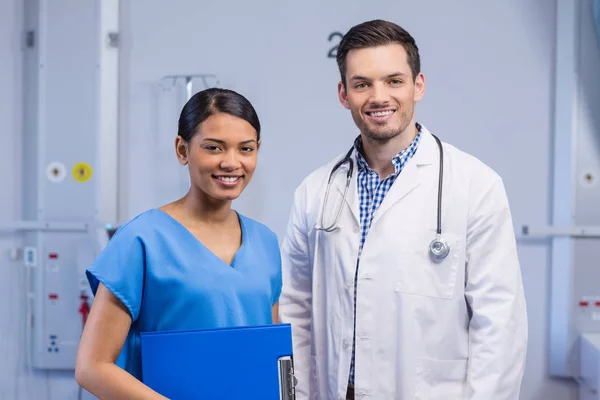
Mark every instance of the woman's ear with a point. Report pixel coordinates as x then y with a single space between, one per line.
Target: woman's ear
181 150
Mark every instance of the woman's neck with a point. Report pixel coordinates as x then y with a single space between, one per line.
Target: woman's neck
202 208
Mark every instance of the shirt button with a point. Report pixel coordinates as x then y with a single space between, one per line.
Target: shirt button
346 343
356 229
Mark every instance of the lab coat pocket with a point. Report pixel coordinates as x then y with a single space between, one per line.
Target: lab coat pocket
419 274
440 379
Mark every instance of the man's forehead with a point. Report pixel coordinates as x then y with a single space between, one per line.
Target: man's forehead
380 60
386 50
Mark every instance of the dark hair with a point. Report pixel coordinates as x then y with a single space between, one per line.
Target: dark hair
377 33
214 101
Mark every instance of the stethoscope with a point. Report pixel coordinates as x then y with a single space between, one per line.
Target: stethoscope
438 248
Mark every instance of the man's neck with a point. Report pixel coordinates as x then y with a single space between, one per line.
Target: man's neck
379 154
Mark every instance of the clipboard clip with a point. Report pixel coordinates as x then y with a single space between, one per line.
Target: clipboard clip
287 380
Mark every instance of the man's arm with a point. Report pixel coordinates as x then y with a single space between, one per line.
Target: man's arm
296 296
494 291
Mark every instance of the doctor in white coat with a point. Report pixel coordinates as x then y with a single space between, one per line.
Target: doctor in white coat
375 315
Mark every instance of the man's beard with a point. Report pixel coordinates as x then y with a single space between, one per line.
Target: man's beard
384 134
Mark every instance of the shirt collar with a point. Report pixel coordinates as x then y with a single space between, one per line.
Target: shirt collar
398 160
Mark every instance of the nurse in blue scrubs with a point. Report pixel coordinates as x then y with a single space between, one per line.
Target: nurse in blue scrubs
191 264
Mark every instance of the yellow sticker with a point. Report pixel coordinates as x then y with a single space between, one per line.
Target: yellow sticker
82 172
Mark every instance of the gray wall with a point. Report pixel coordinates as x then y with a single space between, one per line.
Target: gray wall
489 68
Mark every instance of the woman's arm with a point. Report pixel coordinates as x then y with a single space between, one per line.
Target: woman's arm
275 313
103 336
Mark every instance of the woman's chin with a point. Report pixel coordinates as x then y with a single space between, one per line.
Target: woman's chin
225 195
218 192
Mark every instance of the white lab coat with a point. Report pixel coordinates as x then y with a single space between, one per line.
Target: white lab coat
452 330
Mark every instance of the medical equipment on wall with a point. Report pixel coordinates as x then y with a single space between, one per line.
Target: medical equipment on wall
67 189
438 248
189 82
574 227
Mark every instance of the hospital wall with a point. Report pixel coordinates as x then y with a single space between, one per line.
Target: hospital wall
489 69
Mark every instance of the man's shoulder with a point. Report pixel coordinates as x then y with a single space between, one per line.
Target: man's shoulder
480 182
320 174
312 187
471 164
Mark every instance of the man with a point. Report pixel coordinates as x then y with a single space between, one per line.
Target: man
379 311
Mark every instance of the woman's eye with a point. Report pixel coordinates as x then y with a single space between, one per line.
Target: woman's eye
211 148
247 149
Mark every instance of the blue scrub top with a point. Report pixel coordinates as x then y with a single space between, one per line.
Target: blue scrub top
169 280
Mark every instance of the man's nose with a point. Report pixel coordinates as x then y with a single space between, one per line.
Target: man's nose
379 94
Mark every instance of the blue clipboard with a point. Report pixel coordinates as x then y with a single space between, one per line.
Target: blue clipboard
230 363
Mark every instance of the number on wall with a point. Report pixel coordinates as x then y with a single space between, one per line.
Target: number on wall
332 36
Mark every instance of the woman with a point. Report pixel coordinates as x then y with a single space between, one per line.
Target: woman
191 264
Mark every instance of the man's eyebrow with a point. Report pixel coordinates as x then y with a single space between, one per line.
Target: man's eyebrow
364 78
396 75
359 78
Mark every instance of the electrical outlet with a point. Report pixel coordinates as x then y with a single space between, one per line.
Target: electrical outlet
30 255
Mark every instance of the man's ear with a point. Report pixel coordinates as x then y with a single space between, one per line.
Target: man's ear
420 87
343 95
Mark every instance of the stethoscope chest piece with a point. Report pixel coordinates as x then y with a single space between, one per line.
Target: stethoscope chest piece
439 249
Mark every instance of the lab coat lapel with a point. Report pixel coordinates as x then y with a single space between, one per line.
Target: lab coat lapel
409 178
352 195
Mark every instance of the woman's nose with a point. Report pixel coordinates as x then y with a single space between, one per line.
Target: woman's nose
230 161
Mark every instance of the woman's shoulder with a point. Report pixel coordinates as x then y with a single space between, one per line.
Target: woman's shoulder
257 228
141 226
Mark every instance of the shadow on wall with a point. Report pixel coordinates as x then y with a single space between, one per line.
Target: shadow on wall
590 63
588 117
588 67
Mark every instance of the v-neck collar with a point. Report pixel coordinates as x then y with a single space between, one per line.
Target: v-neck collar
199 242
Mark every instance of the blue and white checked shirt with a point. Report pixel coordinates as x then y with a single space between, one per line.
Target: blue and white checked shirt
371 191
